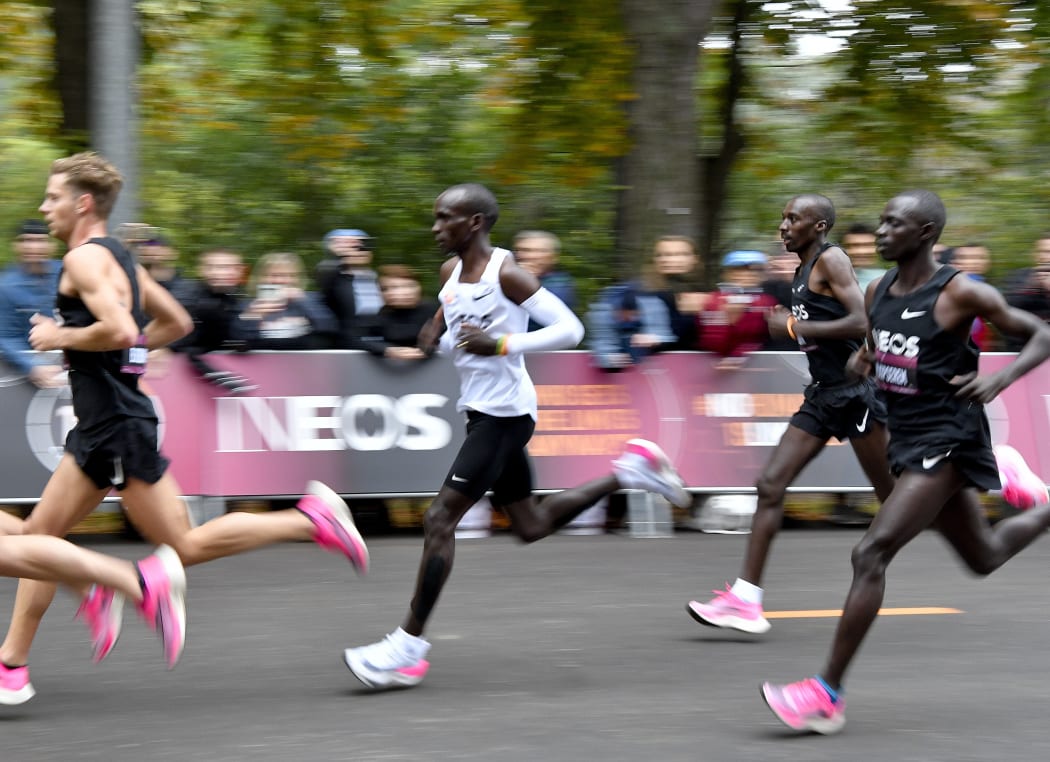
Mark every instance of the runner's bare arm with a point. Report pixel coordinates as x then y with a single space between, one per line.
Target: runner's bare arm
862 362
87 269
835 269
968 299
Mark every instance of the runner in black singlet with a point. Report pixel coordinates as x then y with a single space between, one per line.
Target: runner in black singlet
920 351
103 301
827 319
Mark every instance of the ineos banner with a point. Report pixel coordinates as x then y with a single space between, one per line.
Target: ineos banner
369 426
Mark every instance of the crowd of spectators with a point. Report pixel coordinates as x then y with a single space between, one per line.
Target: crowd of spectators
347 303
626 322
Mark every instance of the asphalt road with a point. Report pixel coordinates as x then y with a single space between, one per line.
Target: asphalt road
576 648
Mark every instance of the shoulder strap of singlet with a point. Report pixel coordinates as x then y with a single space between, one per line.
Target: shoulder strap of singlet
944 274
884 285
127 263
492 269
807 268
823 247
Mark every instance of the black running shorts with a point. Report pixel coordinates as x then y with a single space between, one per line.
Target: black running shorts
117 450
966 444
493 457
843 412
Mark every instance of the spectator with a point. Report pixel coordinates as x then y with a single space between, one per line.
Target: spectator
973 259
283 316
537 251
393 332
673 277
780 274
27 287
159 258
1029 289
859 244
347 283
631 320
214 303
733 320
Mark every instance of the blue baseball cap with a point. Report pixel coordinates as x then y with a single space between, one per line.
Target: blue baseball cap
744 258
345 233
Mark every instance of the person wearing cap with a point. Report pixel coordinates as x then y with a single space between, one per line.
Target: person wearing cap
348 284
28 287
828 320
732 322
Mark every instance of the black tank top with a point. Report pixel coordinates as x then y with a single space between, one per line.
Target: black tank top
915 359
101 391
827 360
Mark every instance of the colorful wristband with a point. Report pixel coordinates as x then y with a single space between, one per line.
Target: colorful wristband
501 345
791 326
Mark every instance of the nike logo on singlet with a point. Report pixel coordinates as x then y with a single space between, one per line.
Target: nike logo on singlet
928 462
908 314
458 478
863 422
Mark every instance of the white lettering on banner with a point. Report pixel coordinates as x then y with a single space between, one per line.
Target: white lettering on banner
729 405
362 422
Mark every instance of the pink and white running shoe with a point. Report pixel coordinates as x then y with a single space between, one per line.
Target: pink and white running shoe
1021 487
102 610
383 665
334 524
164 600
15 687
644 465
726 609
805 705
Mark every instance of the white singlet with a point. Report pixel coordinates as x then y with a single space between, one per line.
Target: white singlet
496 385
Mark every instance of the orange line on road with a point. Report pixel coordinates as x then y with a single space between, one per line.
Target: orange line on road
819 613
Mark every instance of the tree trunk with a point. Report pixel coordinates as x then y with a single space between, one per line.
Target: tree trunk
717 168
114 100
660 177
70 20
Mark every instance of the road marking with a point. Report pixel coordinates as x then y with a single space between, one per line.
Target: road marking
829 613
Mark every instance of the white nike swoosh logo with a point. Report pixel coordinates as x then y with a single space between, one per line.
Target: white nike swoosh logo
928 463
863 422
908 314
458 478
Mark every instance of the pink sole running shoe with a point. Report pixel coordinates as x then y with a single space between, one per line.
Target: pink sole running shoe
15 687
380 666
335 528
728 611
644 465
103 611
164 600
1021 487
805 705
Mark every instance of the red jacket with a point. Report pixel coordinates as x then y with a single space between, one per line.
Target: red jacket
715 331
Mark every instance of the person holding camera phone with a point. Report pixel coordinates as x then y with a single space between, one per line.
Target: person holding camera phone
282 316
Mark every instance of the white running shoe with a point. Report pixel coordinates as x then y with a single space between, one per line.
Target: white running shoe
383 665
644 465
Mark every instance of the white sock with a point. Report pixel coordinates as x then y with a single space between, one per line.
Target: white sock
411 646
747 592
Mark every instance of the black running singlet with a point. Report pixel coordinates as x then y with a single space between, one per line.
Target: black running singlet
827 360
915 359
102 389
